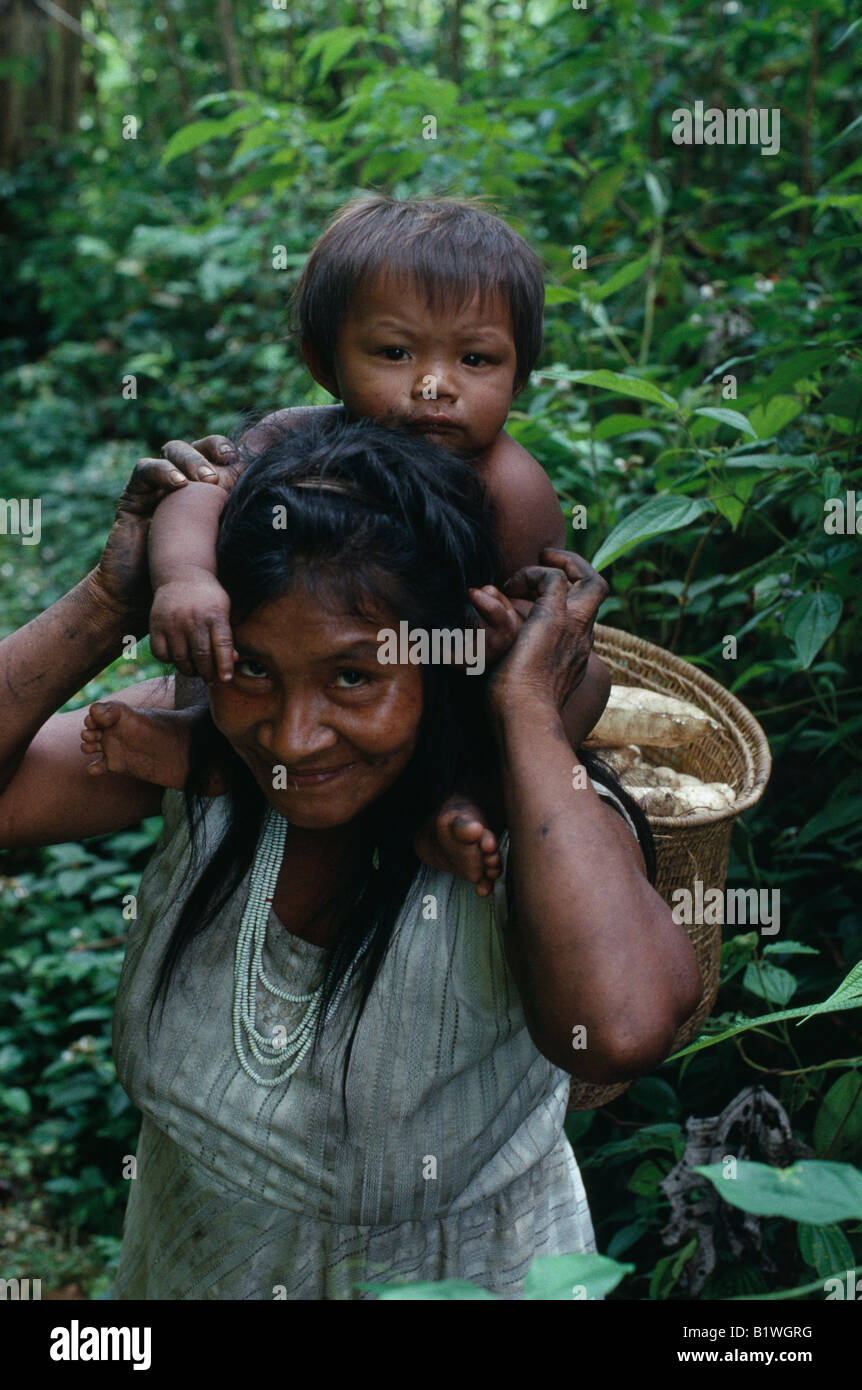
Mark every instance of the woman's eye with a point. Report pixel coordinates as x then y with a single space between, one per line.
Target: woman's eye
253 669
351 678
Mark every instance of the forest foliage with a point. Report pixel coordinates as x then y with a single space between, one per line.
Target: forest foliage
699 394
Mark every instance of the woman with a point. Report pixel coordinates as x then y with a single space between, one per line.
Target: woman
350 1067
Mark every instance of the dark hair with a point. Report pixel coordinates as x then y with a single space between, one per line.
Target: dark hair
412 530
449 246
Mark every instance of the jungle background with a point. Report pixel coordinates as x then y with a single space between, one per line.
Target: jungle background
164 170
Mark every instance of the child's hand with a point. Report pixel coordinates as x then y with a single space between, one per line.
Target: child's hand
500 618
213 459
552 651
190 627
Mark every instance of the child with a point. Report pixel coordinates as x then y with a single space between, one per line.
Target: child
422 314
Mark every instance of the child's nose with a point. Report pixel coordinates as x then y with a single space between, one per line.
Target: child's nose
435 381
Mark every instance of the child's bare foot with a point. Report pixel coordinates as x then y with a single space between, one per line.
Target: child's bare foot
152 745
459 840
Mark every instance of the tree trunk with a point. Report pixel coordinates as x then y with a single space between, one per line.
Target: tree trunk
40 97
455 43
173 46
229 45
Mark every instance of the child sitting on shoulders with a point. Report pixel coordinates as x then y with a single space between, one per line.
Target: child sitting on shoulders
425 315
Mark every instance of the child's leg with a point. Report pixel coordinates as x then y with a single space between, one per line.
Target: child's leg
152 745
459 840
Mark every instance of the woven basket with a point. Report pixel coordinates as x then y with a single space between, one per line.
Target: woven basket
696 845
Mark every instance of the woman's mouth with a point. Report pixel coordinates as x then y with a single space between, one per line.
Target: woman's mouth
315 778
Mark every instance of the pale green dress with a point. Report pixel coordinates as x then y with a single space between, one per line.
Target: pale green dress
456 1164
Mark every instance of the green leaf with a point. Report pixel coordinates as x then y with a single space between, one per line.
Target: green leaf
560 294
600 193
655 1095
625 1237
848 995
666 1274
330 47
15 1099
810 620
613 425
667 512
838 1126
845 34
191 137
789 948
562 1277
621 385
618 281
844 400
443 1290
772 461
812 1191
825 1247
646 1178
734 418
768 420
64 1185
656 194
846 811
769 982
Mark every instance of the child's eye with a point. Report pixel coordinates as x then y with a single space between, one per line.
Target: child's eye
347 675
245 669
477 358
389 351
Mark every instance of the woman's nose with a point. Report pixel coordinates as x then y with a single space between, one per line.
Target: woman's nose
295 732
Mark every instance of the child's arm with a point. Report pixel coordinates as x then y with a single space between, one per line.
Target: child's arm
529 520
190 615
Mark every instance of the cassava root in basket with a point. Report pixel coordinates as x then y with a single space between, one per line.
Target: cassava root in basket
645 717
662 791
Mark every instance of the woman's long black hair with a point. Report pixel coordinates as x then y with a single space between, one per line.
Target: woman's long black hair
412 530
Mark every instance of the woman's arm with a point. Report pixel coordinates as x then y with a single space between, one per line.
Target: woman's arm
591 944
46 795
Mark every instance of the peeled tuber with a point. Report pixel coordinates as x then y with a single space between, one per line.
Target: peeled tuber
662 791
648 718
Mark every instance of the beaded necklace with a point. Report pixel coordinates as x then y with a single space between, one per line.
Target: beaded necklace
249 972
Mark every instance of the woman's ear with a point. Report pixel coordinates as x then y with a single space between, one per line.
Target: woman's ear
321 374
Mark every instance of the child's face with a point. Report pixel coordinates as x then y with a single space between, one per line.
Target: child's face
447 374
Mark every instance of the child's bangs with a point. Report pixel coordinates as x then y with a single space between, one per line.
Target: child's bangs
448 281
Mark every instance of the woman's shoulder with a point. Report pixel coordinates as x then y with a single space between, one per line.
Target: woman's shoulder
183 827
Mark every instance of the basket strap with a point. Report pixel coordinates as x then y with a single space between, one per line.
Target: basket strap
617 805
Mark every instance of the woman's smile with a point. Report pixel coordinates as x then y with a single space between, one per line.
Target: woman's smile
323 725
316 777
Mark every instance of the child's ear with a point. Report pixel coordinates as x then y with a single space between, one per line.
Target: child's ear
321 375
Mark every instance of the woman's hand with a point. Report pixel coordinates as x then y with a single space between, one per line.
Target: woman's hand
122 574
501 621
549 653
213 459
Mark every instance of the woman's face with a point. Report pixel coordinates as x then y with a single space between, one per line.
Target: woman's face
309 697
